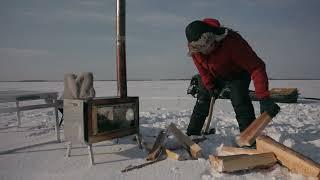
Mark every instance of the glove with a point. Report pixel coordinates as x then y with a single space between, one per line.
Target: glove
267 105
193 90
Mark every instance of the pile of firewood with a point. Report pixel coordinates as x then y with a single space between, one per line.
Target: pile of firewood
267 153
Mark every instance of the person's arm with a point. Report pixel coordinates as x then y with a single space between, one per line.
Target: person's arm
243 55
206 77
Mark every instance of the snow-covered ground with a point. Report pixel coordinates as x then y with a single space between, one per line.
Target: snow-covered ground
30 152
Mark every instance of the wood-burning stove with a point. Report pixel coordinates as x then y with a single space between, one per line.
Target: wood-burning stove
99 119
94 120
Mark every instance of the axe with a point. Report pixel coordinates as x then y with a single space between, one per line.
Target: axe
206 129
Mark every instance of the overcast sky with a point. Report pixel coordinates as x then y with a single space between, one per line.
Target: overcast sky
43 39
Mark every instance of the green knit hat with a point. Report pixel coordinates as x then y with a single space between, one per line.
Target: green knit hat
196 28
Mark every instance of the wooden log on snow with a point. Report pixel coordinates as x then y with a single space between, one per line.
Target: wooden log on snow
174 156
227 150
156 150
170 154
193 148
241 162
293 160
248 136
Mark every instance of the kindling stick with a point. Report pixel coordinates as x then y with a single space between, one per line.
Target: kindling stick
130 168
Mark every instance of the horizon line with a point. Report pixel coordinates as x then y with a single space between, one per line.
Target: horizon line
178 79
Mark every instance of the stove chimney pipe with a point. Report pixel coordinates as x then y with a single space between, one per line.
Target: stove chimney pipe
121 49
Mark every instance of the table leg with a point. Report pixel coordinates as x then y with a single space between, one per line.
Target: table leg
57 120
18 113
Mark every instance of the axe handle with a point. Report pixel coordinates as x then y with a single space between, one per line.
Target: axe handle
209 117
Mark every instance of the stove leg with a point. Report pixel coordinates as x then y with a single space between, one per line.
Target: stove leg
91 154
138 137
68 153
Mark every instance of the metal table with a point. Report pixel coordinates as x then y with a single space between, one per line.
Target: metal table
50 100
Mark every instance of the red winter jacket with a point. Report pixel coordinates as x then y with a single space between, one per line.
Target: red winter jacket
233 55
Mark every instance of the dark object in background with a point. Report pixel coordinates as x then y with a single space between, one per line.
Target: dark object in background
280 95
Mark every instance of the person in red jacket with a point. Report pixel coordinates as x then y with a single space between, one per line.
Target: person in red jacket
224 58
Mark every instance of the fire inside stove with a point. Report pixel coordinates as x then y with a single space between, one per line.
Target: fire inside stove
110 117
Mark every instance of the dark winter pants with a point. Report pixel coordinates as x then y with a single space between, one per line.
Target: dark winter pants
240 100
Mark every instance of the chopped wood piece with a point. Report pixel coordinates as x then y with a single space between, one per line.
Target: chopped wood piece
174 156
240 162
170 154
293 160
227 150
193 148
248 136
156 149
